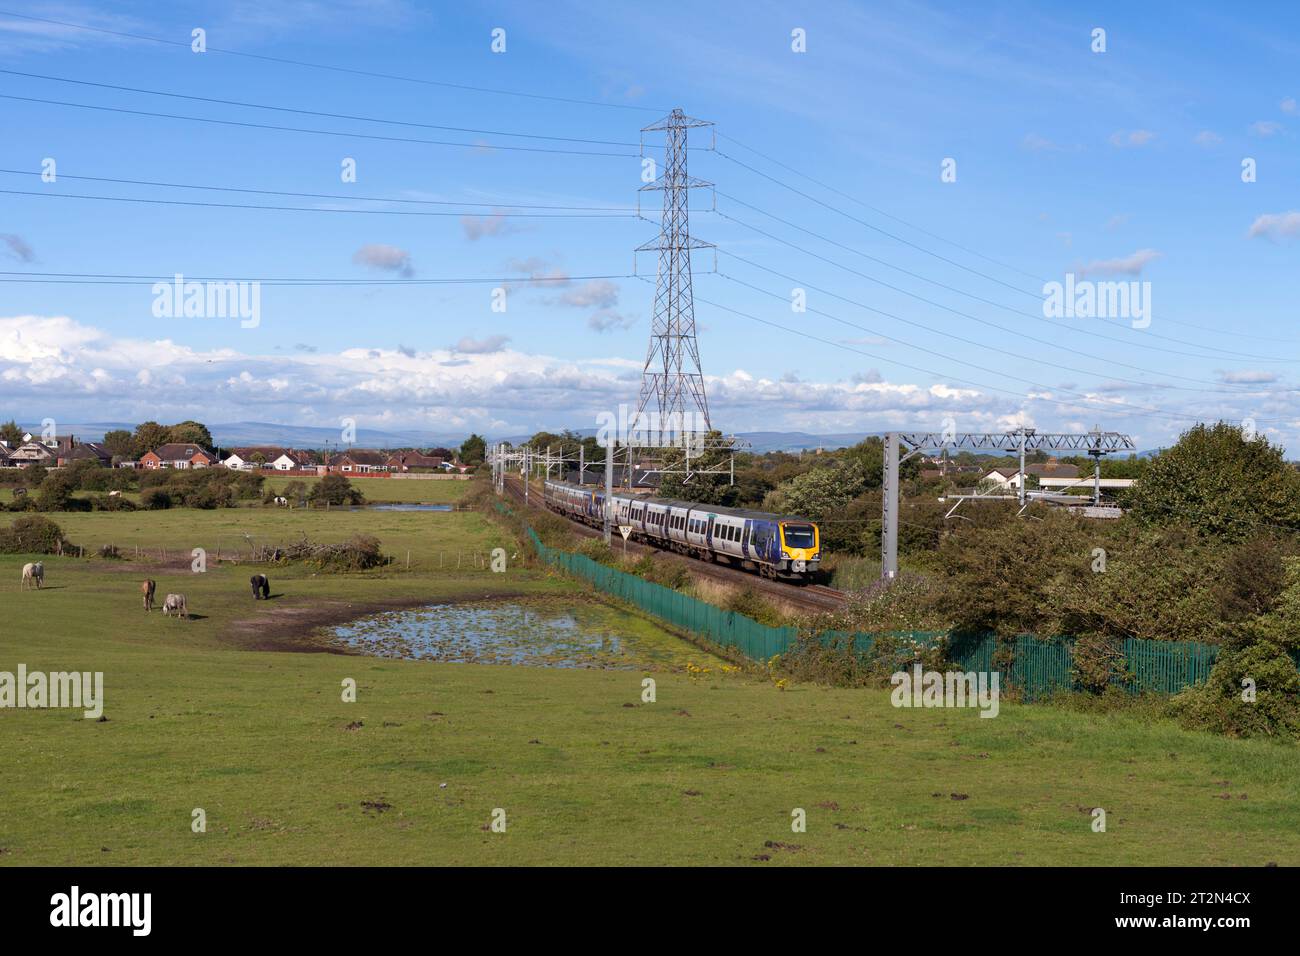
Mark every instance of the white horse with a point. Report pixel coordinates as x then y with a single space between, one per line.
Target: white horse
282 502
176 603
33 573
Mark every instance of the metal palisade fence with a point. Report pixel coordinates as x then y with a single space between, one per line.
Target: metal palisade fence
1037 666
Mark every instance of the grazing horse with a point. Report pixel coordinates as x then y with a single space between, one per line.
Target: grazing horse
33 574
282 502
147 589
176 602
261 586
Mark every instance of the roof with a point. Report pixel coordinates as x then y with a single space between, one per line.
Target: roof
88 451
180 451
1040 471
269 452
361 456
417 459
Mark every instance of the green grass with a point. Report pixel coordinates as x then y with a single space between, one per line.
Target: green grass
435 491
432 491
709 773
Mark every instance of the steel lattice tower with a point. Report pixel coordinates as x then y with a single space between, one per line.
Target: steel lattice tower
672 382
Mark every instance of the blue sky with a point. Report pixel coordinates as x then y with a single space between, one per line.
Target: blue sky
1122 165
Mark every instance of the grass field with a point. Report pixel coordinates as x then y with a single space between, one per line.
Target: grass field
437 491
213 714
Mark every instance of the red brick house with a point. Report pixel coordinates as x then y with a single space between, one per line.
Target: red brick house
359 461
178 455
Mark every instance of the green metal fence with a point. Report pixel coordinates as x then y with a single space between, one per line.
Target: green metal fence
1038 666
756 641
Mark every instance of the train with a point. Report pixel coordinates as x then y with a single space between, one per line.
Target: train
775 546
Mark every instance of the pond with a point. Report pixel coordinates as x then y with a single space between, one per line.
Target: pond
537 634
401 507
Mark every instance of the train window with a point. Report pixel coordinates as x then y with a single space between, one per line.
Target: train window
798 535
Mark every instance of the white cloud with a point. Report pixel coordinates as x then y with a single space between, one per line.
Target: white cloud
608 320
479 227
1133 137
1131 265
595 293
1288 105
1207 137
1248 376
385 258
1265 128
493 343
1275 225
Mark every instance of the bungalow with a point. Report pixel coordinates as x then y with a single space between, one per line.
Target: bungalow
85 451
360 461
269 456
178 455
1009 478
410 460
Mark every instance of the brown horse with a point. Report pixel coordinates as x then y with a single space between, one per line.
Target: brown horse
147 589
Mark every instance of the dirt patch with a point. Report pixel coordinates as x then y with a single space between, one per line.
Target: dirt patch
285 626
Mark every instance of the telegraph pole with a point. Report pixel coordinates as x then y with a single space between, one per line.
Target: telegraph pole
889 509
609 483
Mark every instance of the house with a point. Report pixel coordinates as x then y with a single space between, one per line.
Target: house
178 455
359 461
411 460
1009 478
33 453
269 456
85 451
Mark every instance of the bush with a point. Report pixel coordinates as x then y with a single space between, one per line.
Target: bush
31 534
336 490
155 499
1218 704
109 503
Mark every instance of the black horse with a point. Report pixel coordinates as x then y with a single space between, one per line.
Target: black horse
261 586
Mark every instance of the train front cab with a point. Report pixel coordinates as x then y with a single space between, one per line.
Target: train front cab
800 546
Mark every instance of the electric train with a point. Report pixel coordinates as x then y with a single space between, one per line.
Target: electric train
773 545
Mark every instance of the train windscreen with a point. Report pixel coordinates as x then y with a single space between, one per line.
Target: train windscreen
799 535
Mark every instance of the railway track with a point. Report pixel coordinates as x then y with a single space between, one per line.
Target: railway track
812 597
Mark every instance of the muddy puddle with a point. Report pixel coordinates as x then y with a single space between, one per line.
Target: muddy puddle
532 634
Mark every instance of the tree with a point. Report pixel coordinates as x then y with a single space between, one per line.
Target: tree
11 433
150 435
56 491
191 433
446 454
1219 482
336 490
122 443
473 450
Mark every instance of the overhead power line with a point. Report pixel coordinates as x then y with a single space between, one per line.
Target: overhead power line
1216 351
341 197
360 212
1198 387
1084 402
375 74
316 132
302 112
108 278
1234 333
